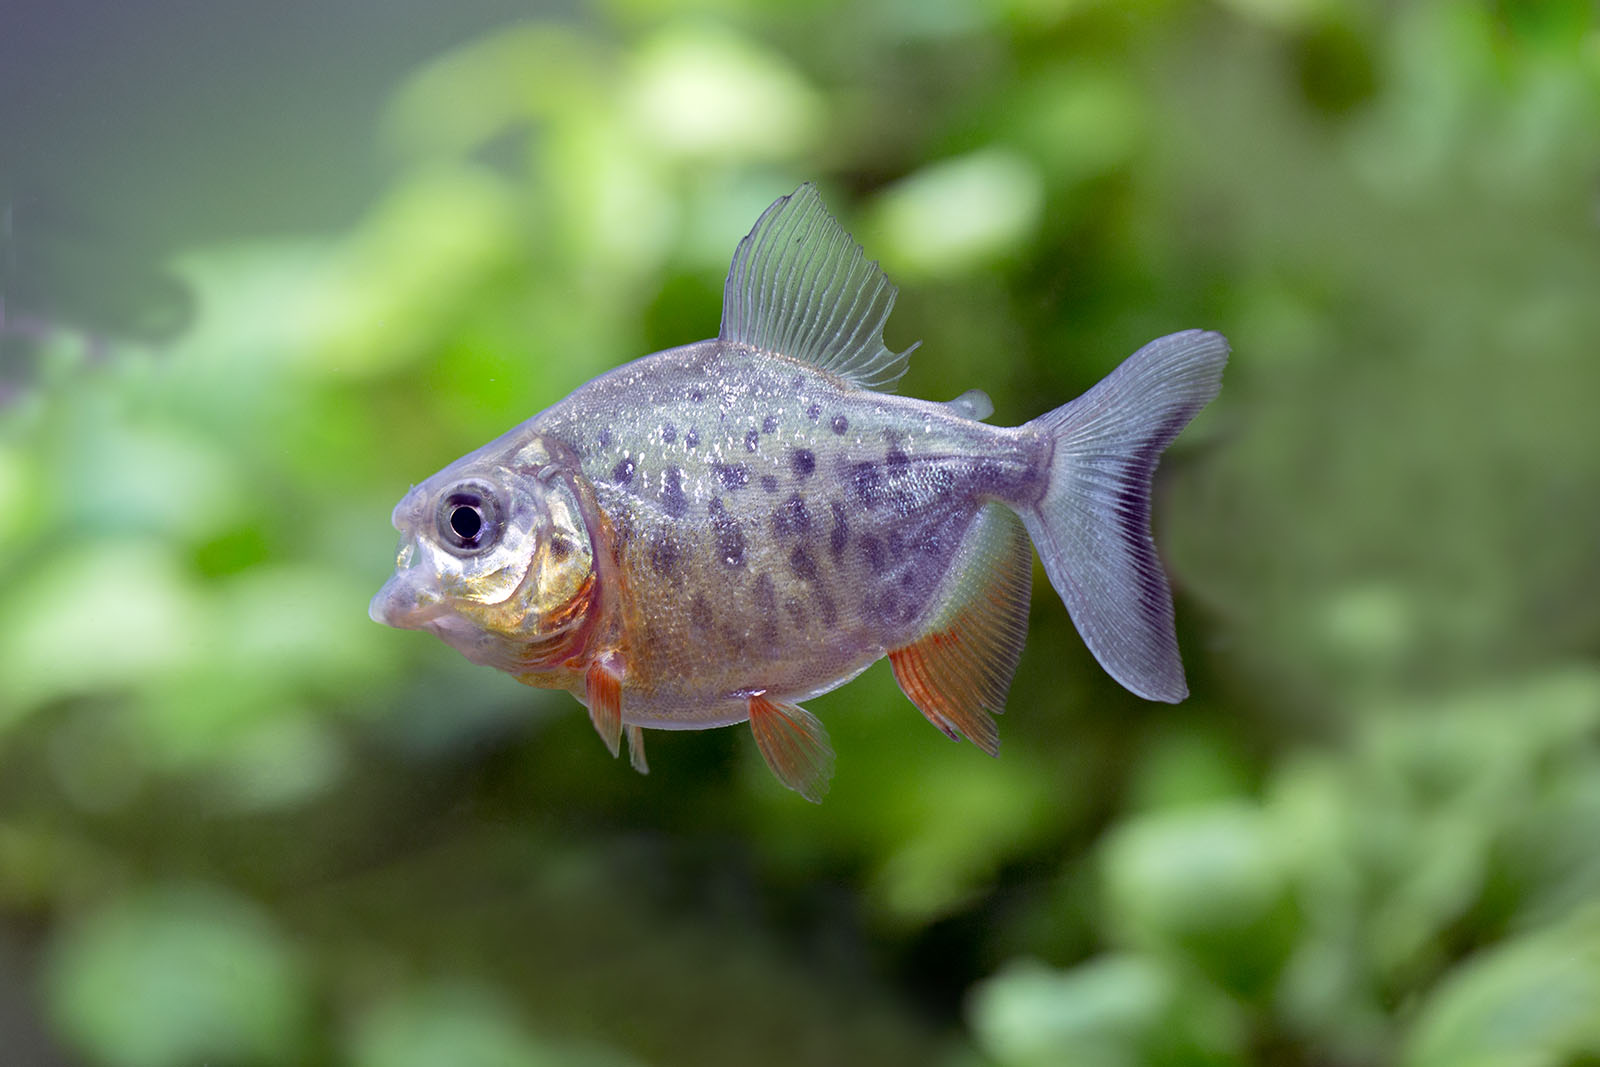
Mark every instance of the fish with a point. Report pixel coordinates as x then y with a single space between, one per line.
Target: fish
717 533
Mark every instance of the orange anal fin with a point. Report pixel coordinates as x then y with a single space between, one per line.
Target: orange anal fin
944 694
602 685
959 670
636 749
795 746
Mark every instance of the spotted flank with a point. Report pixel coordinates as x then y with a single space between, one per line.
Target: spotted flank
717 533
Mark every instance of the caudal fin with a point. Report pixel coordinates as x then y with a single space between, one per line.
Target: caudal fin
1092 526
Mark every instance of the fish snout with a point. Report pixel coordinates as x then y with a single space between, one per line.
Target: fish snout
402 604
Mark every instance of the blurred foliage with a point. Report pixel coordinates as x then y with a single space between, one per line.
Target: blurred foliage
241 824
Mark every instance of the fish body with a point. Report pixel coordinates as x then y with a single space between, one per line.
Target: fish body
718 532
779 528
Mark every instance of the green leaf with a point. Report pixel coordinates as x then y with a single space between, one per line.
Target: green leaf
177 976
1207 884
958 214
462 1025
1530 1002
1099 1014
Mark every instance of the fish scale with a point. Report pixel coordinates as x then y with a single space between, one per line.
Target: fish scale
718 532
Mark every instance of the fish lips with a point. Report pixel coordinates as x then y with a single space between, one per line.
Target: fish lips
401 604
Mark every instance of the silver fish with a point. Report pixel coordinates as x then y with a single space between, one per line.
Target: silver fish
715 533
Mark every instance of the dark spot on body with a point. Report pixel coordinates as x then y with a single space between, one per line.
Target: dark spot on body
700 616
839 536
907 577
872 550
840 424
804 461
622 473
732 475
801 563
797 614
604 440
814 412
672 497
696 395
751 440
791 519
663 555
728 535
916 539
560 548
827 609
897 609
896 458
769 483
767 606
867 482
769 424
901 542
692 438
669 433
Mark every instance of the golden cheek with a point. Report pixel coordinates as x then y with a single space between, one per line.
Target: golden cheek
572 610
493 578
552 595
558 577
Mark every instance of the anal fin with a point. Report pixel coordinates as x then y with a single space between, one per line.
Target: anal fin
959 670
794 744
602 684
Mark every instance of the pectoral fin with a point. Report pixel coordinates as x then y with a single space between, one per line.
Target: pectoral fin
794 744
602 685
959 670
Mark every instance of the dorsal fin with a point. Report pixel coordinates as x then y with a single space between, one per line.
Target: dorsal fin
800 286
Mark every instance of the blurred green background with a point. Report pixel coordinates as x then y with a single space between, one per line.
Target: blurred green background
263 266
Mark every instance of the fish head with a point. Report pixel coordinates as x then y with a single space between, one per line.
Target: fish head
495 556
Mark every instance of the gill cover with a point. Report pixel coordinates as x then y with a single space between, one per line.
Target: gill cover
495 556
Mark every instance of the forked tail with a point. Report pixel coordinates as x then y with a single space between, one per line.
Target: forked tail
1092 526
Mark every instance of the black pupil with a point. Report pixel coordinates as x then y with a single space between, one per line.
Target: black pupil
466 521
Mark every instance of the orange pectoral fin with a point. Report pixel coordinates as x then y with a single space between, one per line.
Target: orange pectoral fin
602 685
794 744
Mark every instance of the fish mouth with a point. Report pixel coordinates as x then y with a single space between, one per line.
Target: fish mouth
402 605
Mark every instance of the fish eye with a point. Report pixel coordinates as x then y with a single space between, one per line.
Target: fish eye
467 521
469 518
